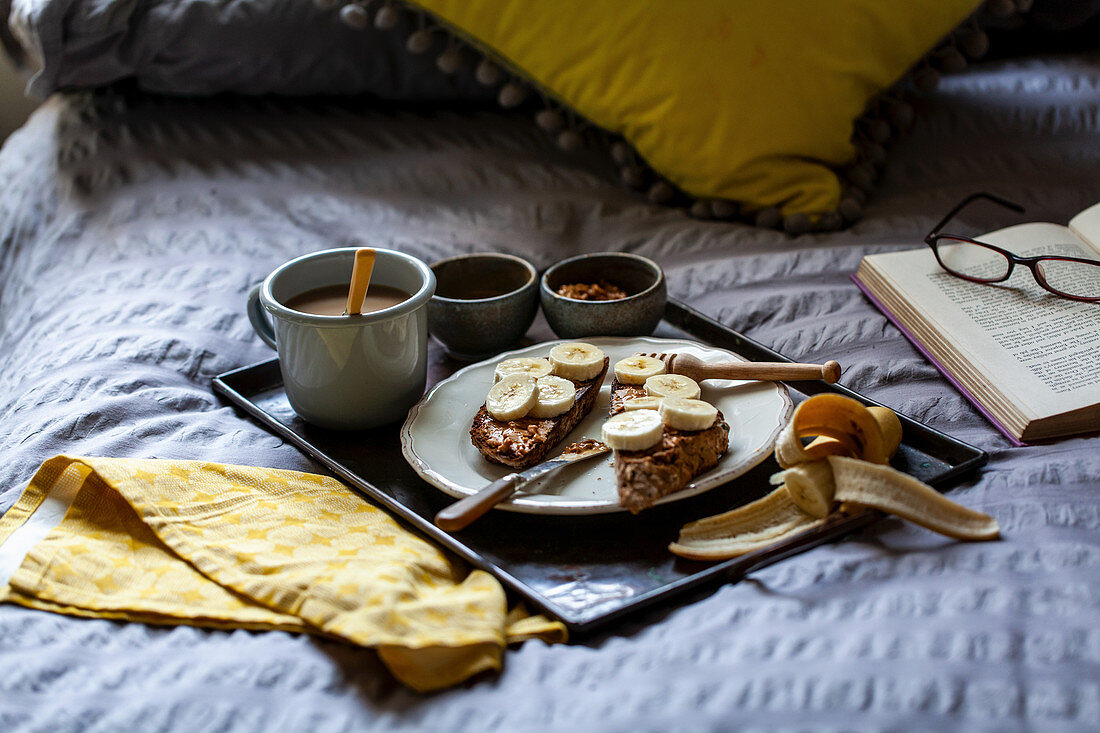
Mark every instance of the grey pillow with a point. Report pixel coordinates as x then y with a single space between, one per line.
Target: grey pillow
200 47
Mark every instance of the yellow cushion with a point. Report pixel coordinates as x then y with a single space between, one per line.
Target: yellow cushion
748 100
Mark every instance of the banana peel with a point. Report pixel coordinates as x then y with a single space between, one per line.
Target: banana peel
845 464
743 530
897 493
849 426
888 423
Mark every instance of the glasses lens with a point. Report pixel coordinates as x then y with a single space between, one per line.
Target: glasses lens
1076 279
971 260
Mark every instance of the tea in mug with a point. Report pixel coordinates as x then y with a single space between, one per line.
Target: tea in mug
332 300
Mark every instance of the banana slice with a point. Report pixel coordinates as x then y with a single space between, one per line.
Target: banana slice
672 385
684 414
512 397
576 360
638 368
534 368
642 403
633 430
555 396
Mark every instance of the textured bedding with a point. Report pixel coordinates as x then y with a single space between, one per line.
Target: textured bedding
132 230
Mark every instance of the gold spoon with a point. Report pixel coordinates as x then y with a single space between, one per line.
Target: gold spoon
360 280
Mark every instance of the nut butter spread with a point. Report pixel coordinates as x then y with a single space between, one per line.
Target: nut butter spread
515 442
583 446
602 290
518 437
621 392
514 438
644 476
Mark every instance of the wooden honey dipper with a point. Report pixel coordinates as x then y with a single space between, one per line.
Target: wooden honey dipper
699 370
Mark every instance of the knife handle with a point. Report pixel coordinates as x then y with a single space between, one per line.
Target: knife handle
464 511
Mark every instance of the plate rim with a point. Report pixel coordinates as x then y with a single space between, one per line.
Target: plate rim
581 507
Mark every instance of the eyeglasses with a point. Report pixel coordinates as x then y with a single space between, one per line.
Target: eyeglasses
1067 277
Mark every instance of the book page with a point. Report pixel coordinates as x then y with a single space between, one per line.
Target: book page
1041 350
1086 225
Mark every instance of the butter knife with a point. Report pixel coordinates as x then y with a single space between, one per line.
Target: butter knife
464 511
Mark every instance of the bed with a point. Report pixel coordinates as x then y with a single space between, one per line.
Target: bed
133 224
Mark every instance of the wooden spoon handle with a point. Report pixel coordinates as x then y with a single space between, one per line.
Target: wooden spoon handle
775 371
360 280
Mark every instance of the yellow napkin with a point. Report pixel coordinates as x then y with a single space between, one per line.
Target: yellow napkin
187 542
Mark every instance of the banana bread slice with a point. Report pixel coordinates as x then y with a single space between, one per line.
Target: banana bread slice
523 442
645 476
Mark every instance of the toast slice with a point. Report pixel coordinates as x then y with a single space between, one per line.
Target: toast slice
525 441
643 477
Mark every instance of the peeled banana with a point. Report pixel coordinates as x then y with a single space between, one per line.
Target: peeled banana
811 487
845 466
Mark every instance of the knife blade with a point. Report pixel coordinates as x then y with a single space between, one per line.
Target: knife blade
464 511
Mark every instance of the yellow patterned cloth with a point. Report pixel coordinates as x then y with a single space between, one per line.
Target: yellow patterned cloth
188 542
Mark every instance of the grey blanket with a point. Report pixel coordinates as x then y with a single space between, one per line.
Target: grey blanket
130 235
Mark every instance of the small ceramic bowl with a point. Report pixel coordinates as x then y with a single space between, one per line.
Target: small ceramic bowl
483 303
635 315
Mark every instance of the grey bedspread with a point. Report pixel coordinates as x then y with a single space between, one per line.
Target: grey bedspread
130 236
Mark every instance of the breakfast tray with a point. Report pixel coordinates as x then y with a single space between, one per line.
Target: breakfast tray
584 570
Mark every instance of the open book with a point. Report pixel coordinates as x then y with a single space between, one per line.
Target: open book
1027 359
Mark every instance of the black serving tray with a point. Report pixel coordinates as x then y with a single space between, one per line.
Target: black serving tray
590 570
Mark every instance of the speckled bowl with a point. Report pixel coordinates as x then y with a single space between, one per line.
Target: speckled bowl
635 315
483 303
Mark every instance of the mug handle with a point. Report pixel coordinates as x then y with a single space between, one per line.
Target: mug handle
260 322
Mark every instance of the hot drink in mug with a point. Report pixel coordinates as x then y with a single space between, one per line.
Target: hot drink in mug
347 372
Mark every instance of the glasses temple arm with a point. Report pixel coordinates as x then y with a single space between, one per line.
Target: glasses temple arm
969 200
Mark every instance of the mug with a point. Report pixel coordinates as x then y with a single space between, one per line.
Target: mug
347 372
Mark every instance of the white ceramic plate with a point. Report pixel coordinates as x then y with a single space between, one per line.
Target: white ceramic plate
436 436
